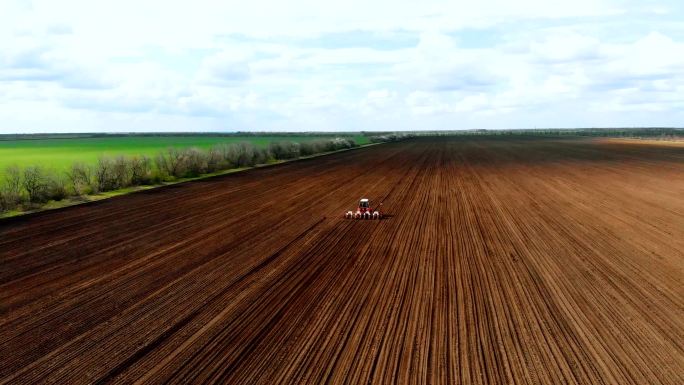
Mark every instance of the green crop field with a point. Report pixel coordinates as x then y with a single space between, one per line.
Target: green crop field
60 154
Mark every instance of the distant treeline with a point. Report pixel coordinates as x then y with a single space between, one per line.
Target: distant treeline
390 137
34 186
597 132
179 134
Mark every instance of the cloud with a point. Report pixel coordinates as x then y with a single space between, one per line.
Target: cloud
226 68
59 29
565 47
35 60
342 65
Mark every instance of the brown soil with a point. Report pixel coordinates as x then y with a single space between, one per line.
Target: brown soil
523 261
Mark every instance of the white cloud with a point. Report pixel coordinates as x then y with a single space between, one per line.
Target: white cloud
566 46
227 68
342 65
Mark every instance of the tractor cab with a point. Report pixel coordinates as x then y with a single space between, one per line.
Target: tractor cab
364 205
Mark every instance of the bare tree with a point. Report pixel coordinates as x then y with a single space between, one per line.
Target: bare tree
161 162
35 184
195 161
141 170
178 162
104 174
215 159
231 155
172 162
56 187
11 187
121 172
81 177
246 154
261 155
309 147
284 149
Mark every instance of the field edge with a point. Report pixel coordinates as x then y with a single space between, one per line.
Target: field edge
96 198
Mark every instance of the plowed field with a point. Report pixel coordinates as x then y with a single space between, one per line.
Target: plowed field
526 261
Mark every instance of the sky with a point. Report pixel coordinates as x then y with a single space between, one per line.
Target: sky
305 65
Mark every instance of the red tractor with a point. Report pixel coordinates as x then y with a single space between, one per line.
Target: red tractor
364 211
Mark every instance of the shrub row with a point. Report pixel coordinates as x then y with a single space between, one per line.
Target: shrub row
389 138
34 185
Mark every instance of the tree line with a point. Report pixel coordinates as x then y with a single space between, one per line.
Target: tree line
34 186
390 137
635 132
238 134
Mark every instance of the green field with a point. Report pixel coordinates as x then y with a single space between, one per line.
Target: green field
60 154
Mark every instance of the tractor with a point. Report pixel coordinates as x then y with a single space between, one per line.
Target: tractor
364 211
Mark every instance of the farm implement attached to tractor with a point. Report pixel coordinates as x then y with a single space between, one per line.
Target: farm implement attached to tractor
364 211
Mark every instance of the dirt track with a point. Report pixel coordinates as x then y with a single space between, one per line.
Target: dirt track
512 262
